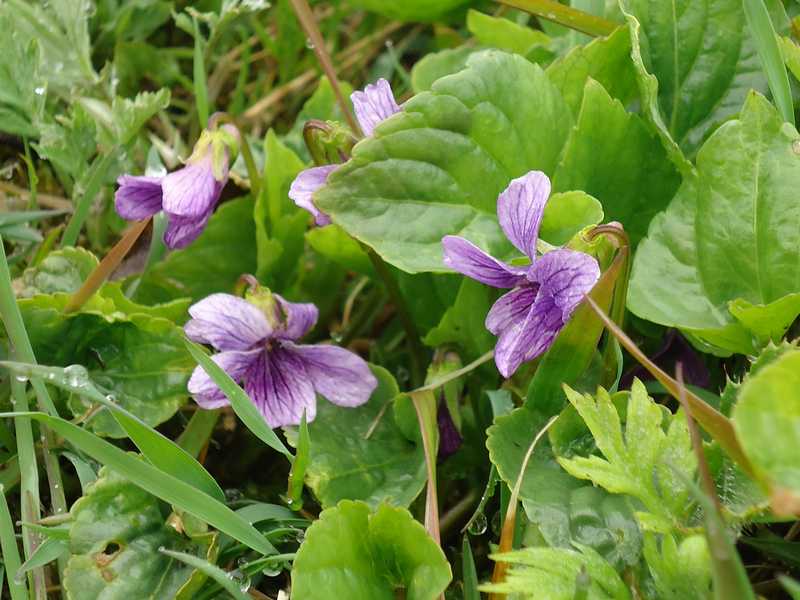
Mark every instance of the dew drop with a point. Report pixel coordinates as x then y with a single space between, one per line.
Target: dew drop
309 44
337 337
240 579
19 578
271 570
39 91
796 146
111 398
76 376
300 536
478 525
21 378
161 548
233 495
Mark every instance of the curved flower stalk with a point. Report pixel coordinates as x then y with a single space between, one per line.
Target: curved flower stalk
544 294
372 106
189 195
256 339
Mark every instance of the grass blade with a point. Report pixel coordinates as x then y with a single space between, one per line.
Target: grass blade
564 15
214 572
298 473
8 543
49 550
240 401
199 73
470 574
162 452
766 42
162 485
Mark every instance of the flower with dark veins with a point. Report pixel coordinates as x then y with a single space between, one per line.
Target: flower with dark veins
188 195
256 338
544 294
372 106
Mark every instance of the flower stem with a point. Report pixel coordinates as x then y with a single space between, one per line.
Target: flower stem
425 407
107 266
456 374
565 15
244 147
309 24
416 349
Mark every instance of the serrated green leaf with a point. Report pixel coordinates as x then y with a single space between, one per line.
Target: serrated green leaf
355 554
345 464
728 239
679 570
443 160
128 116
22 87
69 144
552 573
652 445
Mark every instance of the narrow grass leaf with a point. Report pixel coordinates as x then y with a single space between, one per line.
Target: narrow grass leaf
200 84
214 572
162 452
771 58
45 553
470 574
299 466
162 485
8 543
240 401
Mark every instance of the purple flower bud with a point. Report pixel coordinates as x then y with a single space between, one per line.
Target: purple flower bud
303 187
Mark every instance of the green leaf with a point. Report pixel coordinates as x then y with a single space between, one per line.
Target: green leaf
355 554
606 60
767 422
679 570
22 95
613 156
443 160
198 270
435 65
61 271
552 573
162 485
386 467
128 116
333 242
791 55
241 403
48 551
411 10
695 63
138 359
299 465
69 144
116 532
279 223
497 32
720 263
568 213
653 444
462 323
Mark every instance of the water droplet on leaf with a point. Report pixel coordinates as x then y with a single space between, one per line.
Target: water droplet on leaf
478 525
232 495
76 376
796 146
271 570
39 91
309 44
21 378
240 579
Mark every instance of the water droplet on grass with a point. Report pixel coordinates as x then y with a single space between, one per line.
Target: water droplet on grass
478 525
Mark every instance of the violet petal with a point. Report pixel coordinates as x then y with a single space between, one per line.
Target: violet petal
465 257
527 339
298 317
520 208
339 375
565 275
236 364
374 105
227 323
182 231
137 197
511 308
450 439
303 187
192 191
279 386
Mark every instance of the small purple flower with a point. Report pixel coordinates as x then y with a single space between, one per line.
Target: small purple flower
256 342
372 106
529 317
188 196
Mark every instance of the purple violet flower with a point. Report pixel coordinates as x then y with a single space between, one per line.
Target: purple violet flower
527 319
372 106
256 342
188 196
